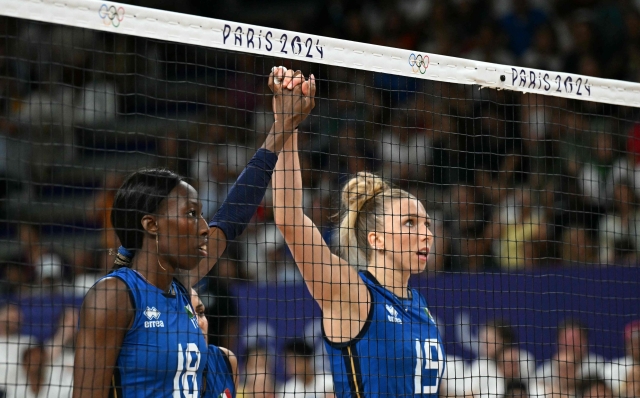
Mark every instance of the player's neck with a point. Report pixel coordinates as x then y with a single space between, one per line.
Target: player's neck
146 263
392 280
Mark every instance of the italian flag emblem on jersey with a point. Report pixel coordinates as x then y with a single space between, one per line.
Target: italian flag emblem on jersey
426 310
225 394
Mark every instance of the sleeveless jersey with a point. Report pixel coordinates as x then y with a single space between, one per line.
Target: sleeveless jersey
397 353
163 353
218 375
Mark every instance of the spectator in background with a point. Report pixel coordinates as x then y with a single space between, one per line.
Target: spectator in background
258 376
487 47
584 38
621 224
440 254
356 152
44 269
303 382
466 213
633 147
563 381
594 388
499 360
13 344
32 380
44 370
577 247
405 152
516 389
475 254
615 373
467 222
99 209
595 177
631 385
543 53
456 380
518 232
15 277
263 253
214 166
492 337
521 24
49 271
516 365
632 42
572 357
88 265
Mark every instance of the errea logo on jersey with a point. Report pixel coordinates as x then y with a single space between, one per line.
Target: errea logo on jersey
153 316
393 314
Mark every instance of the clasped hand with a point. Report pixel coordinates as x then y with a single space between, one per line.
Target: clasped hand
293 97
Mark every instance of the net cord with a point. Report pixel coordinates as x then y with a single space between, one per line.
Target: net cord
175 27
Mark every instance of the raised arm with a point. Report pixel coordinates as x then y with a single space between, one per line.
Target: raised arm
290 107
334 284
105 317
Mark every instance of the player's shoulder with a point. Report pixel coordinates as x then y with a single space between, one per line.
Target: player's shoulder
112 290
112 283
230 359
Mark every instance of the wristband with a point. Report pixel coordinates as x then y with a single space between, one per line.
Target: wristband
246 194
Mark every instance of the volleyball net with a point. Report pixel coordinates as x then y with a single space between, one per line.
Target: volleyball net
530 177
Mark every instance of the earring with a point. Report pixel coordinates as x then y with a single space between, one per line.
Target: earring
158 253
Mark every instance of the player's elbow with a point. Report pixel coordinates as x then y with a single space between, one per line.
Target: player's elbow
288 231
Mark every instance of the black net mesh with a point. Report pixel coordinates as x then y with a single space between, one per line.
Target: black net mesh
532 276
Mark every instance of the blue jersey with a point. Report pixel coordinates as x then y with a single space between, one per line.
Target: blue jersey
397 353
218 375
163 353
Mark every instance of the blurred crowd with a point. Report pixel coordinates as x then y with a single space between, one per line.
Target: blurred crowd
512 182
501 368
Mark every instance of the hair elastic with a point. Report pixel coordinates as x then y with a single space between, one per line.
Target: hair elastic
123 257
124 252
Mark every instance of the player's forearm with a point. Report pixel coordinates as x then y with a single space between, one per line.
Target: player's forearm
287 185
245 195
279 134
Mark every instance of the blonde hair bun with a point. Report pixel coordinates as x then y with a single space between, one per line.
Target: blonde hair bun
360 188
363 208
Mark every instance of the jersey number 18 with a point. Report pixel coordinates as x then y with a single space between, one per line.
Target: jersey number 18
188 364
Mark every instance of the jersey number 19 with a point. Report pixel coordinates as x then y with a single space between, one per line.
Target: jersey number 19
429 357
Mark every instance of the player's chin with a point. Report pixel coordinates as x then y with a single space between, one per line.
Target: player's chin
418 266
191 261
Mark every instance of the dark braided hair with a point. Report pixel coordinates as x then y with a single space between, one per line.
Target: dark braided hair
140 194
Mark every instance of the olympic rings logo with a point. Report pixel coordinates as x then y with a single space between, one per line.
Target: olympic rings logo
111 15
419 63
